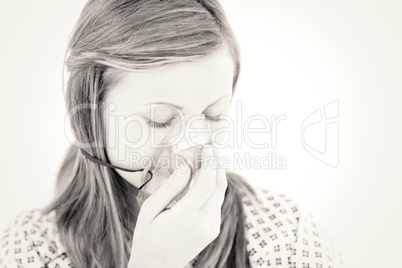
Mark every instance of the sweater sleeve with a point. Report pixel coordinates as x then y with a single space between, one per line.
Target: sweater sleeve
31 240
282 233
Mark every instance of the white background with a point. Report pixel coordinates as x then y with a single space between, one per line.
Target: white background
297 56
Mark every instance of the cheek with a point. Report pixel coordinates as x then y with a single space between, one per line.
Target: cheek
126 143
134 178
133 159
129 146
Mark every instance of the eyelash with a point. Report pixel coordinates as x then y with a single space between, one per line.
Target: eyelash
213 118
160 125
169 123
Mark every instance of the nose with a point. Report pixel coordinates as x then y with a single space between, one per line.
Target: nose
196 135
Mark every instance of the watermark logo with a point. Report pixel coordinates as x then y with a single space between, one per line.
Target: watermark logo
146 139
320 134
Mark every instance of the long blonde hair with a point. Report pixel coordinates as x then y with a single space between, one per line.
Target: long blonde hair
93 215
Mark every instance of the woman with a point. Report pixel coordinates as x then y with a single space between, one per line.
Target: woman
131 56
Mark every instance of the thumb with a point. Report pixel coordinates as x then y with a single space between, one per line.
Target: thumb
166 192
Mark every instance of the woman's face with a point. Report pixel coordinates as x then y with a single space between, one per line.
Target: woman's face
143 107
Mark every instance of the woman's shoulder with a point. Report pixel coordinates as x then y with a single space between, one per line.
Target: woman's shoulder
31 240
280 231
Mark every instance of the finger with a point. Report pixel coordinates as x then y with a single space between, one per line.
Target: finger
213 205
218 155
166 192
215 202
216 150
203 187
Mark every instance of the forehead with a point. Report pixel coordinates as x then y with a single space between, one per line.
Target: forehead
178 83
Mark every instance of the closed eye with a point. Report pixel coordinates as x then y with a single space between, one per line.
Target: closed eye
213 118
169 123
160 125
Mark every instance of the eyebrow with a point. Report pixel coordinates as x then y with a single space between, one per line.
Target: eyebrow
180 107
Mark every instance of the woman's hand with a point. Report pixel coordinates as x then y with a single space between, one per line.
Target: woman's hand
174 237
